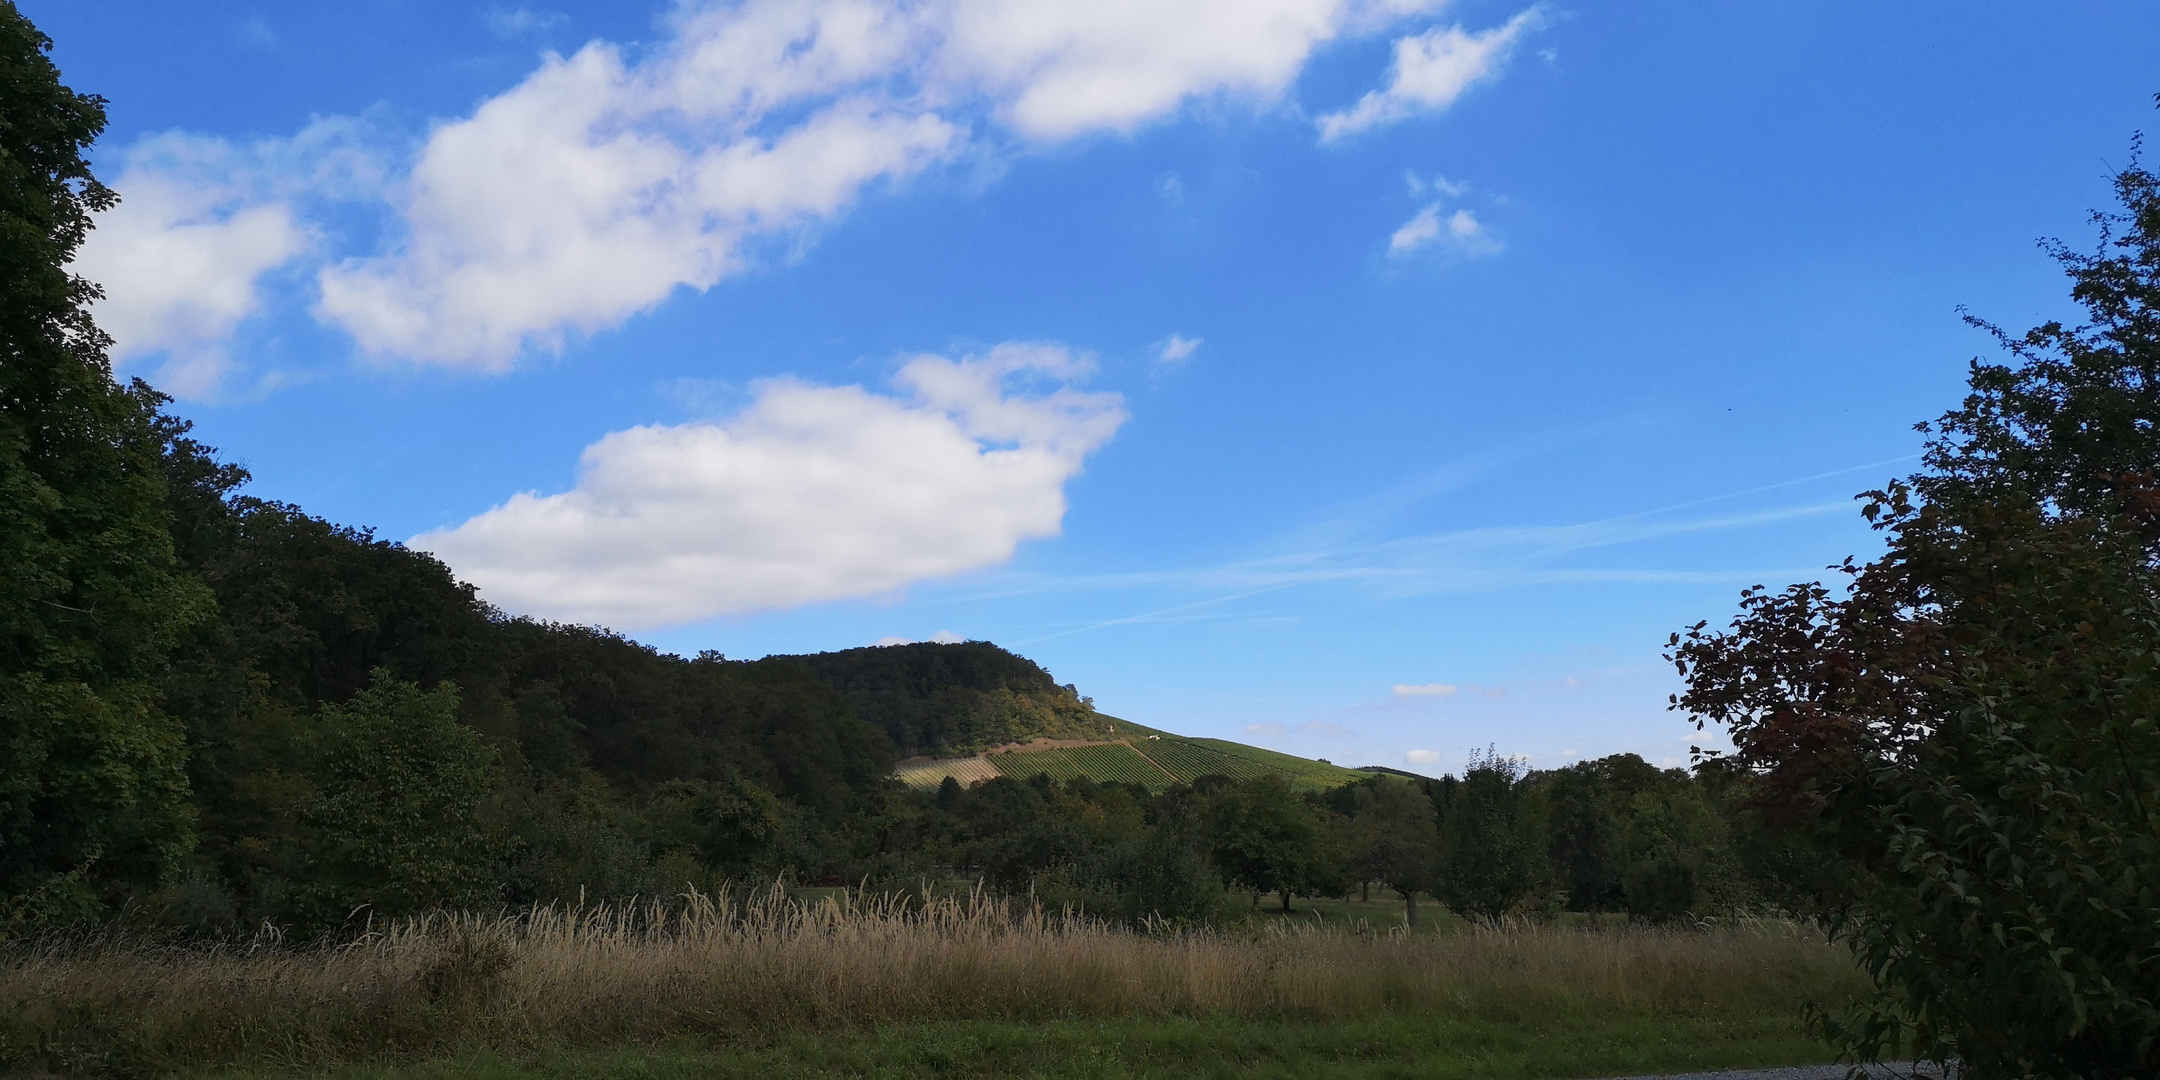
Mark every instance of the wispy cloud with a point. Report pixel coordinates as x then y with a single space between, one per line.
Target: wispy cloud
1460 230
1437 689
1175 349
510 24
1454 561
1432 70
942 637
256 32
1420 186
1467 560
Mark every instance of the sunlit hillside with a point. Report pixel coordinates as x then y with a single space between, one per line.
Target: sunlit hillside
1136 754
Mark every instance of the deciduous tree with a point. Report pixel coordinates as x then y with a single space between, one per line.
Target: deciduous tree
394 819
93 793
1394 839
1973 725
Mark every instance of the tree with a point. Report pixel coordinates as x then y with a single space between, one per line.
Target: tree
1675 846
1971 727
1267 838
1582 833
93 794
1394 839
2070 422
1488 863
729 826
394 819
1971 731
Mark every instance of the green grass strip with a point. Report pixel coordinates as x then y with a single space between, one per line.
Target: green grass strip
1149 1047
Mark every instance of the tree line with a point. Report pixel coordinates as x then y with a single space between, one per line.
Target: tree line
1614 835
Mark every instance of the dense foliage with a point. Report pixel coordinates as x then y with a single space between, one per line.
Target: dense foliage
937 699
92 796
1497 841
1969 737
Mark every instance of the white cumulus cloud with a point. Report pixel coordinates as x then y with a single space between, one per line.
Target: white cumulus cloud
179 267
597 187
605 182
569 204
1432 69
810 493
200 222
1423 757
1438 689
181 256
1059 68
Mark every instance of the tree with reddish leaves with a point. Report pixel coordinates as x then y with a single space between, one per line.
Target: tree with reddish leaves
1971 727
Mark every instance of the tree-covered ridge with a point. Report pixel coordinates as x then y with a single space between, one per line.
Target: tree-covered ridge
956 699
606 761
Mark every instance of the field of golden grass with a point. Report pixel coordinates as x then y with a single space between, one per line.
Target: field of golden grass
728 969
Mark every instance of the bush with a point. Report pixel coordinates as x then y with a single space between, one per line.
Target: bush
395 817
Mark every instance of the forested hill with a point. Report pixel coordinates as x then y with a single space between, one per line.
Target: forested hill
942 700
592 760
538 760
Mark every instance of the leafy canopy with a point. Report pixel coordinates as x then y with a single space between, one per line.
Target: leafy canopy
1971 727
93 796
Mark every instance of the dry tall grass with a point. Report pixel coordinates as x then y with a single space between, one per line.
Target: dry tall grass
730 967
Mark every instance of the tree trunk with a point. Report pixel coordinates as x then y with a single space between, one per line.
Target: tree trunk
1286 899
1256 901
1365 892
1409 904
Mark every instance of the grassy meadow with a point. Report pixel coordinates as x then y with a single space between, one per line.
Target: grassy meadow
953 985
1140 755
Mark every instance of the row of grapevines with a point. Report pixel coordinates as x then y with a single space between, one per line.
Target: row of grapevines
1102 764
1305 770
1190 761
1120 763
928 775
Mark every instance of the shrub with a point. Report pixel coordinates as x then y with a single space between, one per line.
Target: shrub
394 820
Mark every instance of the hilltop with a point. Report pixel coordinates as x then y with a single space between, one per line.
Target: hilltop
972 711
945 700
1131 754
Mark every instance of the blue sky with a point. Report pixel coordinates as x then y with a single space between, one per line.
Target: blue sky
1372 380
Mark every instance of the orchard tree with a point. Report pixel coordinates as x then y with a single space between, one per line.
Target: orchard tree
1972 725
1268 838
1393 839
93 790
1488 861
